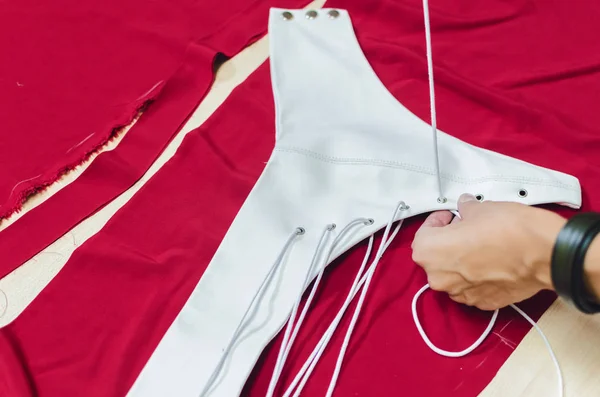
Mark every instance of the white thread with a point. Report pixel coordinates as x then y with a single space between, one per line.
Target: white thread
241 325
80 143
287 344
432 96
26 180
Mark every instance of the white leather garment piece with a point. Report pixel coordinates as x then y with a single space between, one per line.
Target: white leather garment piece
346 148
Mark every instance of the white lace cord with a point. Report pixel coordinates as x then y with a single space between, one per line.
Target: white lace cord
436 349
283 349
382 247
432 110
287 344
315 355
483 336
298 232
443 199
561 385
304 374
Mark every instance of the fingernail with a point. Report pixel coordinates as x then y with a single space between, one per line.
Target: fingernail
466 198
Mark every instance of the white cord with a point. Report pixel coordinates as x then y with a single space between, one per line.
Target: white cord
561 386
287 344
308 366
205 391
436 349
432 98
483 336
315 355
382 247
283 349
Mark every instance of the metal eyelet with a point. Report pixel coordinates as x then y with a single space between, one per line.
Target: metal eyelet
370 221
312 14
479 197
333 14
523 193
442 200
331 226
300 231
288 16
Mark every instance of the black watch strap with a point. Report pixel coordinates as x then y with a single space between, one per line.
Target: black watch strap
568 259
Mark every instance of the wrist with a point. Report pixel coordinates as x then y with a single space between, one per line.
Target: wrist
574 261
546 227
591 269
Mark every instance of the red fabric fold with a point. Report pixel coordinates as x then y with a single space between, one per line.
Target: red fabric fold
190 34
95 325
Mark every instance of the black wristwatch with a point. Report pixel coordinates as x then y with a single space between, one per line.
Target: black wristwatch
568 257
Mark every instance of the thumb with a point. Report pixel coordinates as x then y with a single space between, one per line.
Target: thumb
467 203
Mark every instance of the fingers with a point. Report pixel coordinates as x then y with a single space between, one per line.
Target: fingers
437 219
434 222
467 203
450 282
483 297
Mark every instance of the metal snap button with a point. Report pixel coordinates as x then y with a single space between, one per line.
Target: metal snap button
312 14
333 14
288 16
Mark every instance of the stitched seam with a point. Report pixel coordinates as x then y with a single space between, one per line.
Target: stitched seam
423 170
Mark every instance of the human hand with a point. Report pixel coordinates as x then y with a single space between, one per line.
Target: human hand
495 254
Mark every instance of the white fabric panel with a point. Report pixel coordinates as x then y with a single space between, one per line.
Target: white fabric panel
346 148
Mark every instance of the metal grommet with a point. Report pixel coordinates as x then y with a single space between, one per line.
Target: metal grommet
300 231
404 207
288 16
333 14
442 200
479 197
312 14
523 193
331 226
370 221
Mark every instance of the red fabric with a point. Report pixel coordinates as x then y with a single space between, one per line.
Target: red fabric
103 64
97 322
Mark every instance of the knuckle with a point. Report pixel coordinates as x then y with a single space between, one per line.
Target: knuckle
470 300
486 306
418 256
437 283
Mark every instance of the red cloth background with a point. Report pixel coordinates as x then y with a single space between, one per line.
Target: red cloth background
97 322
86 67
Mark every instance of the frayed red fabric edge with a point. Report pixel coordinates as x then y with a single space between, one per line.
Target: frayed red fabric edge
19 197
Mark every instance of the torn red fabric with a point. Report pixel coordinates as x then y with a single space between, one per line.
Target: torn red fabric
95 325
80 72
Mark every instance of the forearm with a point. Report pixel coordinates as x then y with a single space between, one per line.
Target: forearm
548 225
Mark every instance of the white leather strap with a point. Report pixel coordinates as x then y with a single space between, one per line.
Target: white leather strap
346 148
